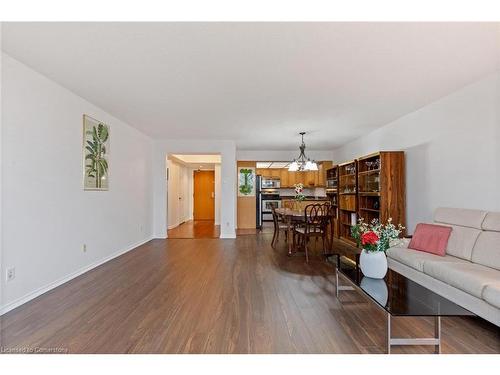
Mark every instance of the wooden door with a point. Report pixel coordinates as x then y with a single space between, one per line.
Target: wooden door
275 172
291 179
284 177
309 179
204 195
319 180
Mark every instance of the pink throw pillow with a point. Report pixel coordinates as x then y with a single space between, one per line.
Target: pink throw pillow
430 238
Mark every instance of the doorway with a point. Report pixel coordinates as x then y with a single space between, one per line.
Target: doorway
204 195
193 196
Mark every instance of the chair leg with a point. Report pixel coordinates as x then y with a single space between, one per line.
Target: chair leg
274 237
305 248
324 248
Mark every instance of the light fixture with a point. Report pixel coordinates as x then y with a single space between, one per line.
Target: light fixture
302 163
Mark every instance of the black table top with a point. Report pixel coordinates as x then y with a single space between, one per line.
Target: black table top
399 295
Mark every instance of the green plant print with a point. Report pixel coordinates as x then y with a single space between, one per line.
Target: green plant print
96 165
246 181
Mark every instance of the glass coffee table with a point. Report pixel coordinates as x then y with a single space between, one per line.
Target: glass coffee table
398 296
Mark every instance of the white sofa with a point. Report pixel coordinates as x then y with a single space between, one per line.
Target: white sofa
469 273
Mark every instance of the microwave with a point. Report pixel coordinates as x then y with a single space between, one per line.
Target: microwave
331 183
269 183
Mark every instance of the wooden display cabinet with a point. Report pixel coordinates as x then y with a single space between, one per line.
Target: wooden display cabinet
381 187
347 192
333 193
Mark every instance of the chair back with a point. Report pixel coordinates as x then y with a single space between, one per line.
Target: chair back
275 217
317 216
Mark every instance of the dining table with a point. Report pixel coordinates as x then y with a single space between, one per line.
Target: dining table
290 217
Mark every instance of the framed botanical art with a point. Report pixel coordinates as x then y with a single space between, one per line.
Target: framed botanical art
246 182
95 154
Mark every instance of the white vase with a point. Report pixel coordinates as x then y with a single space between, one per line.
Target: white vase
375 288
373 264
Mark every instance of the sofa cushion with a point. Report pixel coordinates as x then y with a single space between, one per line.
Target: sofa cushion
416 259
492 222
487 249
462 241
466 276
460 216
491 294
431 238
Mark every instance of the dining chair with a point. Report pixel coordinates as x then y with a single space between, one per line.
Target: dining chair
316 219
278 225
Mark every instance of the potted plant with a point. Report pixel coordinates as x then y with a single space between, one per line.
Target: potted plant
375 238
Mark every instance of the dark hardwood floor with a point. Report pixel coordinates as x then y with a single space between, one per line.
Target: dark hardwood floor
219 296
195 229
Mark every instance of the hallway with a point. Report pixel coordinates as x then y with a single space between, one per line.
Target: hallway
195 229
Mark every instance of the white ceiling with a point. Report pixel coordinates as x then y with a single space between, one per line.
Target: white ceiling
272 164
198 158
258 83
200 162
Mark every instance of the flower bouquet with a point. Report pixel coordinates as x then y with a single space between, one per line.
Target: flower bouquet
299 189
375 238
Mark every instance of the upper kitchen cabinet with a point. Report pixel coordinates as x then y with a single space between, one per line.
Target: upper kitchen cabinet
288 179
310 178
284 177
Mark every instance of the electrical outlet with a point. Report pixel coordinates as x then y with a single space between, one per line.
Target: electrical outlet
84 248
10 274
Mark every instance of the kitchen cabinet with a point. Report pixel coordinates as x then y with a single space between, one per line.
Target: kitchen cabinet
310 178
275 172
284 177
291 178
288 179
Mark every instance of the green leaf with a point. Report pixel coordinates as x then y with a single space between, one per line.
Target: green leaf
103 132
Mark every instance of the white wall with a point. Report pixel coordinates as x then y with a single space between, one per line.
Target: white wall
179 193
227 150
47 214
173 193
452 151
2 275
218 196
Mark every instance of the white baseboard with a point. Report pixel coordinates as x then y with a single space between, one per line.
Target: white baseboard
230 234
28 297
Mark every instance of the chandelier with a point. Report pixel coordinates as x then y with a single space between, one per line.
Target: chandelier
302 163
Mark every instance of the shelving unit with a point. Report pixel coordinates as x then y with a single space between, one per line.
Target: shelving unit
381 184
371 187
332 175
347 193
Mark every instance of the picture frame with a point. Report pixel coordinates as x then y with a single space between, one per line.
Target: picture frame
95 151
246 181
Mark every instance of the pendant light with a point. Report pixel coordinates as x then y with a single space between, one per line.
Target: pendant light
302 163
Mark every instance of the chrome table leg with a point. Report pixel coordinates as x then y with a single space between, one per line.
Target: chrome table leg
435 341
